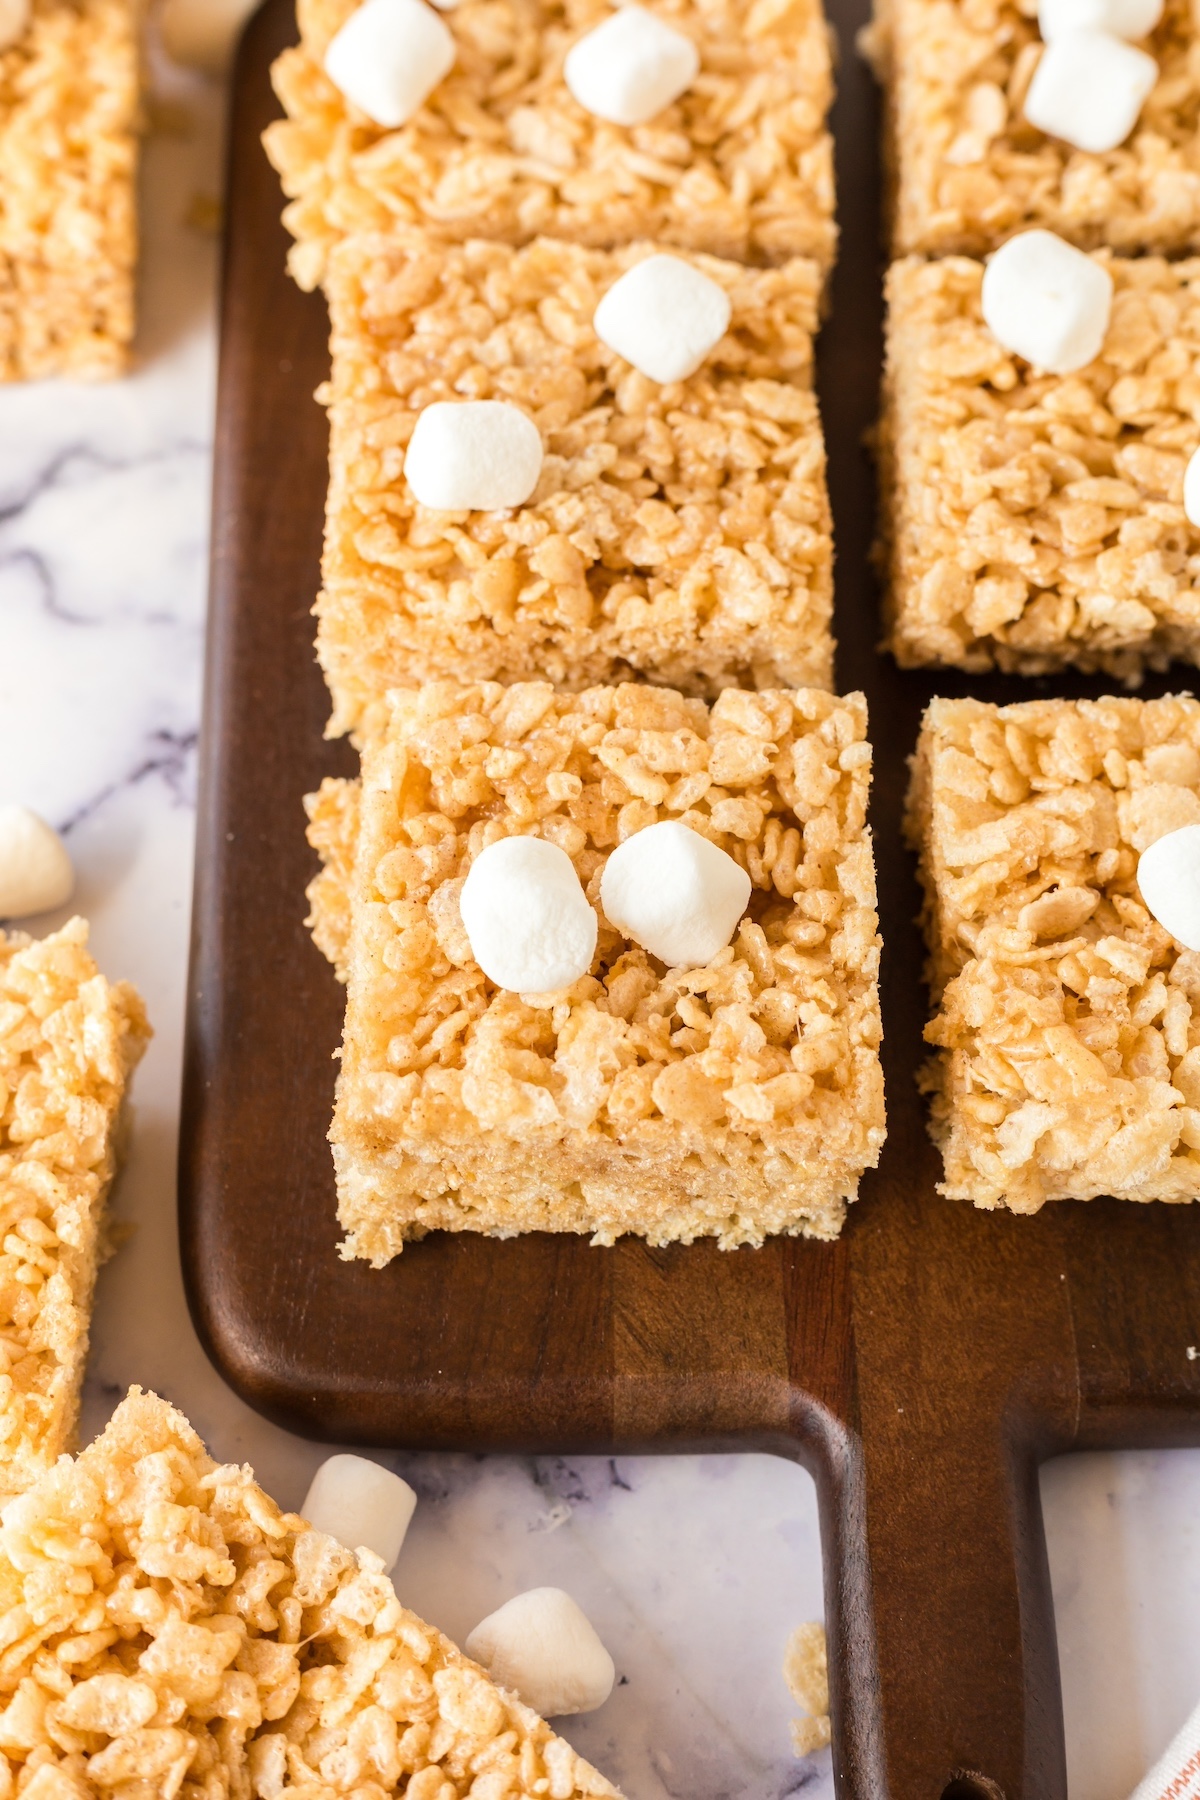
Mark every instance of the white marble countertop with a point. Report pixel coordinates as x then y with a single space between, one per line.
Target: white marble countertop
694 1569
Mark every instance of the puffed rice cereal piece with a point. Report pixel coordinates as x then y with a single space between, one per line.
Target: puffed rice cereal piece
69 1042
678 532
1067 1022
69 117
171 1633
1033 521
733 1100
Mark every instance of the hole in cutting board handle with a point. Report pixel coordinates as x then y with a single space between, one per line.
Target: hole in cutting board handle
968 1784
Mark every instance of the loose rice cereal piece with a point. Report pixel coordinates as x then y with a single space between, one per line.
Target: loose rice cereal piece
740 166
1068 1020
171 1633
1036 521
69 1042
679 532
733 1101
69 99
966 167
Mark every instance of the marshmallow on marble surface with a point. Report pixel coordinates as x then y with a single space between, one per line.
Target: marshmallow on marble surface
664 317
1123 18
35 871
361 1505
1169 878
14 17
201 34
388 57
544 1648
631 67
473 456
674 893
529 923
1089 88
1046 301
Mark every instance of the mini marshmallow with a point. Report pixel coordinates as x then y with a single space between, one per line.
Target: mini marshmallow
14 17
1046 301
664 317
35 870
1089 88
1122 18
360 1504
674 893
473 456
630 67
1169 877
544 1648
202 34
528 920
388 58
1191 489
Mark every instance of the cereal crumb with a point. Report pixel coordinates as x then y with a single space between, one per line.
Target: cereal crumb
806 1671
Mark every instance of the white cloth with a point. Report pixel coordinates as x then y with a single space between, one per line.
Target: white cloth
1176 1774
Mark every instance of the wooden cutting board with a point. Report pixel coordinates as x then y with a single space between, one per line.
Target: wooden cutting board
921 1368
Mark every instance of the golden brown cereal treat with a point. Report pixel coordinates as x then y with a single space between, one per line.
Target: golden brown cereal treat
733 1101
740 166
173 1633
69 96
1036 521
1068 1020
678 532
967 170
68 1044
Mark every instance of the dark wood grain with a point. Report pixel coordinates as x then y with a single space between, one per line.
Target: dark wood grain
921 1368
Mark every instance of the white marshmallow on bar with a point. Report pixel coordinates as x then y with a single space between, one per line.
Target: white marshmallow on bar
664 317
630 67
674 893
544 1648
529 923
1123 18
35 871
473 456
388 57
1046 301
362 1505
1191 489
14 17
202 34
1089 88
1169 878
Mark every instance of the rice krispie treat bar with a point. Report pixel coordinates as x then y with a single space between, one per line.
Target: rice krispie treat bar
733 1100
1036 521
69 1041
679 532
69 101
967 169
173 1633
1068 1020
741 165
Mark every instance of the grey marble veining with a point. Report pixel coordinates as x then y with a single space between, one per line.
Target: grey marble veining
695 1569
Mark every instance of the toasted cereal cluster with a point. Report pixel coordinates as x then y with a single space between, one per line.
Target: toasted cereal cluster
741 165
967 168
69 98
68 1044
679 532
735 1100
1037 520
806 1672
1069 1060
169 1632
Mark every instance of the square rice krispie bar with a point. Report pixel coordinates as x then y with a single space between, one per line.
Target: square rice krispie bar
678 532
733 1101
1068 1019
967 170
1035 521
68 1043
69 117
740 166
172 1633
